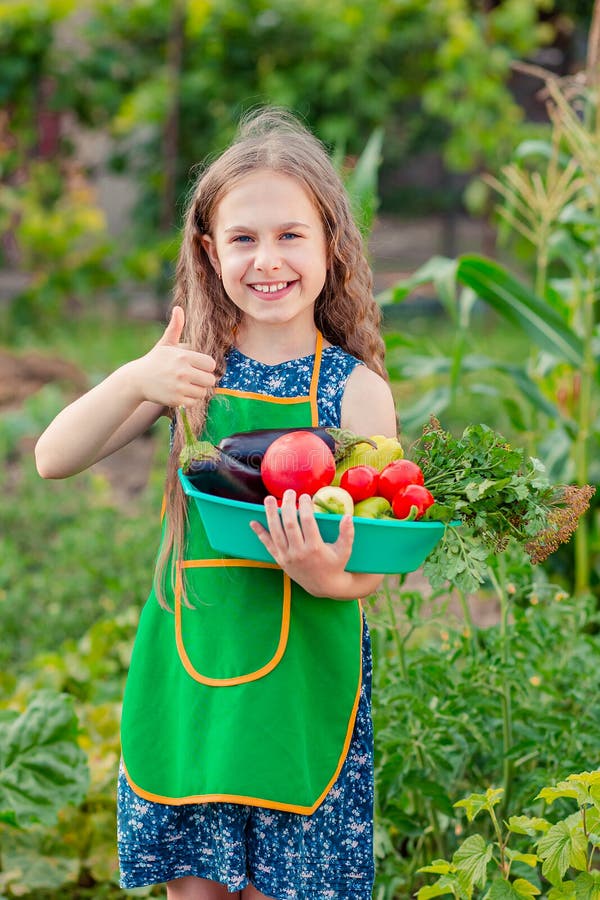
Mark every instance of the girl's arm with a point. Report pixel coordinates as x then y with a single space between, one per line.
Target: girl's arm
367 408
368 405
94 426
125 404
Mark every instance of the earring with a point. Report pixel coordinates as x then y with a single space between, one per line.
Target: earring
219 276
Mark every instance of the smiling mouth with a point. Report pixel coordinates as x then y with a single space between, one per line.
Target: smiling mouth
271 288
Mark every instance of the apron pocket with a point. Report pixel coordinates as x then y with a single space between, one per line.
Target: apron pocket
236 626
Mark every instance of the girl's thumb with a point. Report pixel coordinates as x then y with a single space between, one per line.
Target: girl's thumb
172 332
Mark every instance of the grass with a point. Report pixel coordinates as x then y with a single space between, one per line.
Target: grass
98 342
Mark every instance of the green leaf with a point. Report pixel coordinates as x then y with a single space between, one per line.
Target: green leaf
563 891
574 214
42 768
517 303
362 182
440 270
587 780
535 147
562 790
521 889
592 818
443 885
474 803
560 848
525 888
472 858
555 849
587 886
438 867
528 859
527 825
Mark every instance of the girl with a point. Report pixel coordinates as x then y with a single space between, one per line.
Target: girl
246 734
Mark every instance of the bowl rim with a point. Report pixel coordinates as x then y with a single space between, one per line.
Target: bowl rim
191 491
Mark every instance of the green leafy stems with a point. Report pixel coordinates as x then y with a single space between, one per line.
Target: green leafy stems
565 850
496 491
498 579
423 803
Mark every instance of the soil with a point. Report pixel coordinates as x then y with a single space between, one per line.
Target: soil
24 374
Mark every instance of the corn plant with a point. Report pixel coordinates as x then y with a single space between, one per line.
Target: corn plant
550 196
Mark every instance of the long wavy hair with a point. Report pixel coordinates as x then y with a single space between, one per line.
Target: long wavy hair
345 311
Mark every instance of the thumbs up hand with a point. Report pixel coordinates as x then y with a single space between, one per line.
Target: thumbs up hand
172 374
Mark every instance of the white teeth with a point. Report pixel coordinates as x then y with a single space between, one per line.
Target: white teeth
270 288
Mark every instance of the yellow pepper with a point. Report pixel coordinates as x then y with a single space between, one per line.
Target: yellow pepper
387 450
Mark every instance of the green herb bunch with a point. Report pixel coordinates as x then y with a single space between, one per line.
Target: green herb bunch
496 494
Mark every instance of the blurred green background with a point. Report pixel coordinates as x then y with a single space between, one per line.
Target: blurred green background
467 133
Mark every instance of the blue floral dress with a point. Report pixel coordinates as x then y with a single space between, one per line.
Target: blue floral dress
288 856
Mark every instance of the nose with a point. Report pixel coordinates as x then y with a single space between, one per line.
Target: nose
267 257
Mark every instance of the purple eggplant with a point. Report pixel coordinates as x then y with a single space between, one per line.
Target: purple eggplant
212 471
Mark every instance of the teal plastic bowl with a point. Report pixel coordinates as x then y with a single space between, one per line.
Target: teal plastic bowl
380 545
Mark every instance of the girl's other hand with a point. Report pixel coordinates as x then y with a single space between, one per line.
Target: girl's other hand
294 541
171 374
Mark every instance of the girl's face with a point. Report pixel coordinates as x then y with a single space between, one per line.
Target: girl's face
268 245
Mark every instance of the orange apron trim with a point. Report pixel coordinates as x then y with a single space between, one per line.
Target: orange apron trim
314 382
312 392
283 633
233 392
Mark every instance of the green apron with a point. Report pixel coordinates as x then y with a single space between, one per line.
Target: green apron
248 692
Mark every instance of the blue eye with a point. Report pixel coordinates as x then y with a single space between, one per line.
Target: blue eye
242 238
289 234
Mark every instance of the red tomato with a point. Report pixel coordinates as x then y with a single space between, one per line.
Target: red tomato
411 495
299 460
360 482
397 475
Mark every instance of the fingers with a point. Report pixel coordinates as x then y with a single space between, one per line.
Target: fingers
343 545
202 361
283 537
308 523
172 332
280 524
294 541
176 374
172 338
292 529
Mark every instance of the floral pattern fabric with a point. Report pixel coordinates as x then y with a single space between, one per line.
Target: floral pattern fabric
288 856
292 379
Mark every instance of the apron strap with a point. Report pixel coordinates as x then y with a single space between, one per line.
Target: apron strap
314 381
